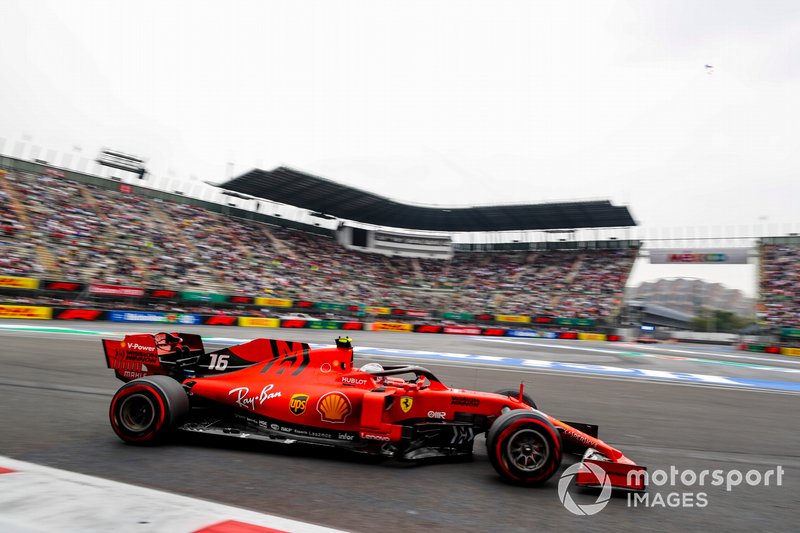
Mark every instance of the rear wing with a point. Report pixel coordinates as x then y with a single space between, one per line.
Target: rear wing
146 354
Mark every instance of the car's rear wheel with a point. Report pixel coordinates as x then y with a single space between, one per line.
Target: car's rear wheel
527 400
524 447
146 410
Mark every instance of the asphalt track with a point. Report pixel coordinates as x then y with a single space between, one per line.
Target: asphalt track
55 390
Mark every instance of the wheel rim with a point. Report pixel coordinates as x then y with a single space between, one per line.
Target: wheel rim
527 450
136 413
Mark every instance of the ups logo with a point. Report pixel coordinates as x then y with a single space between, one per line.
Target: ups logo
297 404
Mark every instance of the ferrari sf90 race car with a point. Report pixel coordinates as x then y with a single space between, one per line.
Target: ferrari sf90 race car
284 391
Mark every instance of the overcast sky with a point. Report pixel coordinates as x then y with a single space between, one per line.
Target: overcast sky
432 102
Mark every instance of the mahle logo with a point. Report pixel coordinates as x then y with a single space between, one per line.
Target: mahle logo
586 509
297 404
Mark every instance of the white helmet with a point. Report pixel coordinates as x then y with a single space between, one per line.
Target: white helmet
371 368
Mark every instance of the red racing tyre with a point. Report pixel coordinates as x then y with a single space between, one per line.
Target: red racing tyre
146 410
524 447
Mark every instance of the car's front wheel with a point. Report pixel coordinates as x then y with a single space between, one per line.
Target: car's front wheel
146 410
524 447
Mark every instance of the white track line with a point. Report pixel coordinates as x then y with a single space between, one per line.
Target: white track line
39 498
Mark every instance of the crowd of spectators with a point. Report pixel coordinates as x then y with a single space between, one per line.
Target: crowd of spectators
17 255
780 284
79 232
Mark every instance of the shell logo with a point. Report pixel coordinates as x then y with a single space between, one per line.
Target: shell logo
122 345
334 407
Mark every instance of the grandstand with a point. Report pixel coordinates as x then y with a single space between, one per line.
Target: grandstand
58 225
85 230
780 281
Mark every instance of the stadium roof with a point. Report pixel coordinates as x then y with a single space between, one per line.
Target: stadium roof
325 197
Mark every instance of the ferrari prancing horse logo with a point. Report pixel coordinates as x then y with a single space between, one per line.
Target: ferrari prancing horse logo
405 403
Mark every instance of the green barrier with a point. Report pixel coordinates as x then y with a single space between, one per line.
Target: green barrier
790 332
756 348
575 322
325 324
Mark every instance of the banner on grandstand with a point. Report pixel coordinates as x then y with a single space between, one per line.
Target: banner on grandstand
410 312
372 310
240 300
513 318
391 326
273 302
203 297
525 333
11 282
575 321
78 314
26 311
220 320
66 286
162 293
428 328
591 336
457 316
790 332
325 306
716 256
325 324
462 330
115 290
147 316
258 322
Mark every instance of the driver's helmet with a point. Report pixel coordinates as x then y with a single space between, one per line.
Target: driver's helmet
371 368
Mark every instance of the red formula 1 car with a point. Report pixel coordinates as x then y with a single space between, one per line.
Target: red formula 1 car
283 391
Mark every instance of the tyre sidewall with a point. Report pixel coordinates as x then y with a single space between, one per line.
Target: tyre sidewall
170 404
504 428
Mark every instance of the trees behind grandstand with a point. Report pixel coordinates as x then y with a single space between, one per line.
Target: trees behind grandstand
719 321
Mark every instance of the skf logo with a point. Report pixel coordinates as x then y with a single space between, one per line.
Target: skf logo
405 403
297 404
334 407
